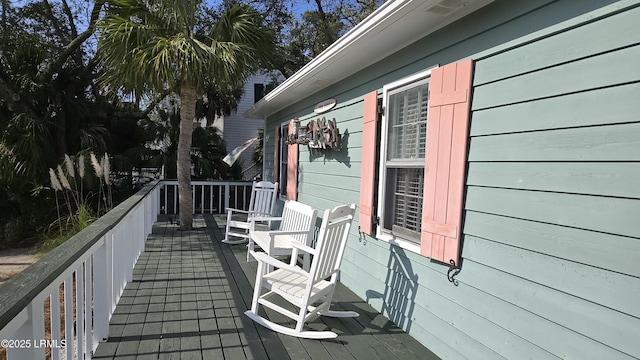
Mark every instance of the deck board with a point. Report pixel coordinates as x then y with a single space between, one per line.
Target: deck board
188 296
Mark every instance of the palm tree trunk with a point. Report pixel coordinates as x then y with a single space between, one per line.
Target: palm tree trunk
187 114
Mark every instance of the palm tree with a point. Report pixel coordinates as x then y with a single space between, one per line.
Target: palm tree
152 46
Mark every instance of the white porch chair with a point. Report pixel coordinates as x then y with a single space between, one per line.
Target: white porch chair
297 225
261 205
305 289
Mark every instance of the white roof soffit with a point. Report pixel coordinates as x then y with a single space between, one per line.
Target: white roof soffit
393 26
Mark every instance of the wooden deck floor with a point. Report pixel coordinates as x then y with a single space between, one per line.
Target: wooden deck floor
187 299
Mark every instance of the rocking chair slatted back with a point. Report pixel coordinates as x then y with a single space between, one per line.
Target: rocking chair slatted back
263 199
296 216
261 206
332 241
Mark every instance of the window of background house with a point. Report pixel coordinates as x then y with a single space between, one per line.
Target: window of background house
258 92
403 149
284 154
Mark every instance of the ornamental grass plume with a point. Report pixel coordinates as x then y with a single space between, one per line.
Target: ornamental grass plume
63 179
55 184
106 170
96 165
81 166
69 164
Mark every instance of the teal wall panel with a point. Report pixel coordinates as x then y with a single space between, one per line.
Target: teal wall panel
551 232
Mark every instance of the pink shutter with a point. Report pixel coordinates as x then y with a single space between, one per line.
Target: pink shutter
292 169
276 157
447 133
369 155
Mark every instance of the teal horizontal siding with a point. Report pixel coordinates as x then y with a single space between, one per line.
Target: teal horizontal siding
606 251
618 142
585 74
591 39
569 111
617 179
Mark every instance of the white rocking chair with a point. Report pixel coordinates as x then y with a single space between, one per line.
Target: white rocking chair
261 205
305 289
297 225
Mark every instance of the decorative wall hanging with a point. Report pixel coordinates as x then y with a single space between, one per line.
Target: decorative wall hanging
319 135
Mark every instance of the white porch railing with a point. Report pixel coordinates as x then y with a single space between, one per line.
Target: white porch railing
209 197
81 281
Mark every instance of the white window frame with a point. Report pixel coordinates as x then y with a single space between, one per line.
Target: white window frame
284 160
382 233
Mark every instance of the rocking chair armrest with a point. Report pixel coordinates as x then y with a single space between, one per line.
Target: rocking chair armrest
273 233
304 248
237 210
264 258
265 218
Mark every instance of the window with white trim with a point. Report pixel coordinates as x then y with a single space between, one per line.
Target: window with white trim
403 155
284 157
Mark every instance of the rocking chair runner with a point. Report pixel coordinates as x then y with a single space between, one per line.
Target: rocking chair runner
261 205
305 289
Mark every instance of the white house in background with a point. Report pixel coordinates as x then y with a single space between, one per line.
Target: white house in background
237 129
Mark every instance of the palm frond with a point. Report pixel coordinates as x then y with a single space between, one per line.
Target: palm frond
150 46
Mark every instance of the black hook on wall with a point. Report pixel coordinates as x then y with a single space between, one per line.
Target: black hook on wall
453 271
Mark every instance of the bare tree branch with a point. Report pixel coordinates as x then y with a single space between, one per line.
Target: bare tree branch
72 24
49 69
54 21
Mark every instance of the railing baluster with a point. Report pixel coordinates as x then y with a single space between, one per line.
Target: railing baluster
68 315
210 199
54 318
79 323
166 205
175 199
193 199
100 294
221 210
88 308
202 199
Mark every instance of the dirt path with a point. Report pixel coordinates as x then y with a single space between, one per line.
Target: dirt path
13 261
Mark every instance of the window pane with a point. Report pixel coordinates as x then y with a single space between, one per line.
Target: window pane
408 123
408 198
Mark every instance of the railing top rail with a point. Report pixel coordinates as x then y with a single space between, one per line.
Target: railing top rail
20 290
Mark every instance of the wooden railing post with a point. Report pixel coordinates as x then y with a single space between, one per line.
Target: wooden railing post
227 193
